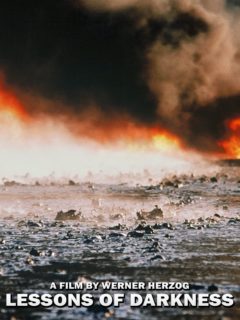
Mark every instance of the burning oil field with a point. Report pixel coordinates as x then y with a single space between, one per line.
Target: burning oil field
120 157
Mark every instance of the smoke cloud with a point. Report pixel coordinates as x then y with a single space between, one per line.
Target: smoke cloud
172 64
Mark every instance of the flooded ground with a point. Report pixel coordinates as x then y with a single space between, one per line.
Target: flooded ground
196 241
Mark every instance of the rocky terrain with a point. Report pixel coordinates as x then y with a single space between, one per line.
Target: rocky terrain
183 228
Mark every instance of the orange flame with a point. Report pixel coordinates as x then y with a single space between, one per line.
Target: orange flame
153 139
10 107
124 131
232 144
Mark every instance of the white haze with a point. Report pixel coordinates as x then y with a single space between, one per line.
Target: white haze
46 148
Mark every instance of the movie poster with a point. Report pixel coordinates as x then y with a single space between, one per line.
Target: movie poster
119 159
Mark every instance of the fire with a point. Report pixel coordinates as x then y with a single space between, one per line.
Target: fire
153 138
165 142
232 144
123 132
10 107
